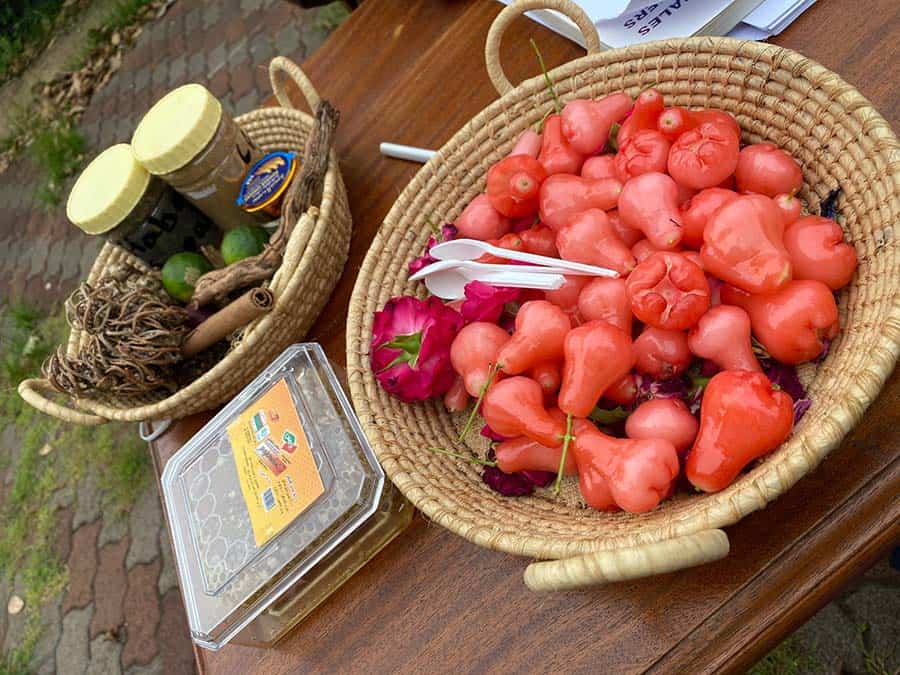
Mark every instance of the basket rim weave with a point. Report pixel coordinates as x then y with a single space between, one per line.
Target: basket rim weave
756 488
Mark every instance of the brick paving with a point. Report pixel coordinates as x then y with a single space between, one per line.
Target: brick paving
122 611
226 44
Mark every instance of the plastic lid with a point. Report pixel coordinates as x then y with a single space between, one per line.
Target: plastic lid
227 576
107 190
176 129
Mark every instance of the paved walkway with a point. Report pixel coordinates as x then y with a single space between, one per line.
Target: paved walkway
226 44
122 611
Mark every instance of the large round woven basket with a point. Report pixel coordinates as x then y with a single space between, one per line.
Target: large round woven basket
313 261
777 95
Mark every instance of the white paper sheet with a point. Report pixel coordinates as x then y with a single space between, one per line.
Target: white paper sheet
770 18
771 12
660 21
651 21
600 10
627 22
744 31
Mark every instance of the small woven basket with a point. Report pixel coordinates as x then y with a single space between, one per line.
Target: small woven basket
777 95
313 261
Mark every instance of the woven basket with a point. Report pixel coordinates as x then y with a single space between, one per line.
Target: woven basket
777 95
314 259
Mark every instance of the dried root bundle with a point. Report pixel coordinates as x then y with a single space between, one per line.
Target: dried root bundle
134 341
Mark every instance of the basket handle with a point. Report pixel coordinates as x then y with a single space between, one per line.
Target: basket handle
519 7
280 66
604 567
32 391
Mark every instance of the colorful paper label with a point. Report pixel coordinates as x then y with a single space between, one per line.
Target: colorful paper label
275 466
266 180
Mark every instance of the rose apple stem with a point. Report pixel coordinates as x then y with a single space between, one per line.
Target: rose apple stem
472 460
540 125
562 458
492 373
537 51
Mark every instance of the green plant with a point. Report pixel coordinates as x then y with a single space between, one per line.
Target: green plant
331 16
53 139
26 347
788 658
873 662
58 149
113 455
25 28
122 14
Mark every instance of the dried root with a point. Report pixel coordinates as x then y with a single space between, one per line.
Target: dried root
134 341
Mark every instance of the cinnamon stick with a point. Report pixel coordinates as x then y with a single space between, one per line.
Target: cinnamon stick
217 284
237 314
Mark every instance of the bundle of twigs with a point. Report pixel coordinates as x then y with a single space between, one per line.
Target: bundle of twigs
134 341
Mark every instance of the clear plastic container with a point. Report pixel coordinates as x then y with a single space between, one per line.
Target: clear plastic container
275 503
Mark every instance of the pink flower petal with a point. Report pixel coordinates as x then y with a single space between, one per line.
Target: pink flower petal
485 302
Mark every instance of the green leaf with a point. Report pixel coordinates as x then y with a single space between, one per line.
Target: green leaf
612 143
568 438
608 417
465 458
556 103
411 343
492 373
410 346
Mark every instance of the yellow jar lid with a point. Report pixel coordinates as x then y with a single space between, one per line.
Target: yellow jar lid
176 128
107 190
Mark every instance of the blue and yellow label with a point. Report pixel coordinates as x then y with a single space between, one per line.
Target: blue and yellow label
266 182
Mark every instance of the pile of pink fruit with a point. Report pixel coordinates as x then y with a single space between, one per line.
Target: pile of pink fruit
679 372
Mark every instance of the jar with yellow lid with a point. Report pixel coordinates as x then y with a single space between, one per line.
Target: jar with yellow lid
193 144
116 197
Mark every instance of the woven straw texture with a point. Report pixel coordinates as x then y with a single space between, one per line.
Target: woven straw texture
776 95
313 262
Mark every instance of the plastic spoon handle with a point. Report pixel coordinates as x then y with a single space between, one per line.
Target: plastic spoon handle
543 282
443 265
570 267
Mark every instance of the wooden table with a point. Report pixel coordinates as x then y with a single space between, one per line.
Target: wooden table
413 72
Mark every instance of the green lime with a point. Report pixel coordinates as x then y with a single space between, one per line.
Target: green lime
243 242
180 274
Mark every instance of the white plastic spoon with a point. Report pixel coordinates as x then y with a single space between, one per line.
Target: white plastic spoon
471 249
450 284
473 267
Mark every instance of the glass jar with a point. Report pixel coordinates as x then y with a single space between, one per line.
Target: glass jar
116 197
194 145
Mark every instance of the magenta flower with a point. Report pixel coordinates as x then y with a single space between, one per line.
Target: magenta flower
507 484
447 233
519 484
485 302
489 433
410 350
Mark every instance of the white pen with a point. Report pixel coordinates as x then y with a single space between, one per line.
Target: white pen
407 152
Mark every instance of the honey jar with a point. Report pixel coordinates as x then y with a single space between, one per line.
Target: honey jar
275 503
